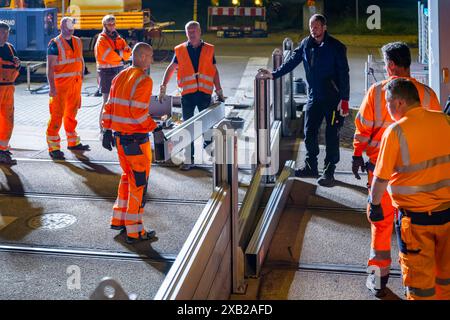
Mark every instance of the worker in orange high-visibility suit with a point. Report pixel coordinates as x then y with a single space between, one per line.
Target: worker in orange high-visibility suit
65 66
197 76
9 66
371 122
414 165
127 114
111 51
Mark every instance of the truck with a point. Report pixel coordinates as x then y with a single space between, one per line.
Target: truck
133 22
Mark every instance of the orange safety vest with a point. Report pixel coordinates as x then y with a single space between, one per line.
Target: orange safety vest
415 157
70 62
373 117
188 80
127 109
8 71
105 53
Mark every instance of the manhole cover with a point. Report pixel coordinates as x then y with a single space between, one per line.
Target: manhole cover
52 221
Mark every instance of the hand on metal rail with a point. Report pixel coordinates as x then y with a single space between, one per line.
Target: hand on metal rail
220 96
266 73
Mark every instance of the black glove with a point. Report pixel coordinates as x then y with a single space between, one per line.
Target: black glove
108 141
375 212
158 128
358 162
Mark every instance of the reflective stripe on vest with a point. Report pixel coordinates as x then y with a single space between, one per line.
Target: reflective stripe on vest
132 103
67 75
408 190
106 53
404 150
125 120
109 66
133 90
424 165
378 106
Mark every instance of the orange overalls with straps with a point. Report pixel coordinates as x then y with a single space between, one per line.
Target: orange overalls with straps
68 81
127 114
8 74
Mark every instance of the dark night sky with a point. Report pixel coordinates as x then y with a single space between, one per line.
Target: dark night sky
181 11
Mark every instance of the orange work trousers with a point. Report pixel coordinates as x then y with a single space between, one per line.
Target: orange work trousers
425 256
6 115
63 109
380 252
135 156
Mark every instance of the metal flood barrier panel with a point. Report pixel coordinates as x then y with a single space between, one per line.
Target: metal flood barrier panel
202 268
260 242
174 141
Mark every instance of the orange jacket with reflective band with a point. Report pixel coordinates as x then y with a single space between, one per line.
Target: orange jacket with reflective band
8 71
70 62
127 110
105 51
188 80
373 117
415 157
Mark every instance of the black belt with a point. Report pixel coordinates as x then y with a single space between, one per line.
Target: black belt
138 137
6 83
434 218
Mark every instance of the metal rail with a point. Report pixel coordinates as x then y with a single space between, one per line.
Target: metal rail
85 253
65 196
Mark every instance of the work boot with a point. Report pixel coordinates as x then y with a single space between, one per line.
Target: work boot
80 147
371 284
327 178
149 235
57 155
5 158
307 171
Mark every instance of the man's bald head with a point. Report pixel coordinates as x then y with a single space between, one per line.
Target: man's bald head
142 55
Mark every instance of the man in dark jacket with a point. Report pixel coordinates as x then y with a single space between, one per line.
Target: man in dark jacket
327 73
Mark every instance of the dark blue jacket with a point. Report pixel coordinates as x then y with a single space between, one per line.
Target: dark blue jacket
326 68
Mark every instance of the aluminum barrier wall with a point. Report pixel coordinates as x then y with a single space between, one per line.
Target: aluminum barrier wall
211 264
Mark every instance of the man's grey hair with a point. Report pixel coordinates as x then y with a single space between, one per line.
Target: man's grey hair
4 25
64 21
108 18
191 24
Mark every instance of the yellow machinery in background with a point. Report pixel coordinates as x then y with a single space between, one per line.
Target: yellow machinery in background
88 14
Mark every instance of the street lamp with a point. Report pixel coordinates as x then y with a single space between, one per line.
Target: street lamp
235 2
